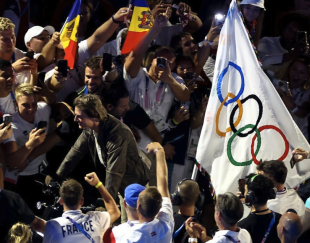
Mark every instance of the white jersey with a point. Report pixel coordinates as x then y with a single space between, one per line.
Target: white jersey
287 199
225 236
159 230
61 230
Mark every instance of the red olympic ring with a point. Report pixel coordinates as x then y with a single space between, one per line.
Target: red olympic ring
280 132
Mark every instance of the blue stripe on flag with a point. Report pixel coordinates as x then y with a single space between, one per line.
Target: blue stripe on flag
75 11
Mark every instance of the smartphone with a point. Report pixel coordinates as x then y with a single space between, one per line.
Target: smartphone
41 78
283 85
292 162
62 67
190 76
29 54
7 119
41 124
241 186
219 19
107 62
161 62
302 35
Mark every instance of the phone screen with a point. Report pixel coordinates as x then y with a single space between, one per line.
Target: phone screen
292 162
241 185
161 62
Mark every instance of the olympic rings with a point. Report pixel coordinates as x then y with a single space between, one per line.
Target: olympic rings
220 80
280 132
220 133
260 114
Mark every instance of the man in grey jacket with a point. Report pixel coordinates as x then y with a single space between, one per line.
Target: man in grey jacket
110 143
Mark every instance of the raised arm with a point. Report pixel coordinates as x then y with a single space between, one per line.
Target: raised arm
161 168
109 202
105 31
134 60
48 52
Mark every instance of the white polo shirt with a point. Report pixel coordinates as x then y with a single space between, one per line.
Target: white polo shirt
22 129
224 236
287 199
137 90
61 230
159 230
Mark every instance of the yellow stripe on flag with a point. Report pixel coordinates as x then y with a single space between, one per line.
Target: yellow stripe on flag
142 20
70 32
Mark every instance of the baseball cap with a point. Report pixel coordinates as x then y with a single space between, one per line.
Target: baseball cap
37 30
257 3
132 194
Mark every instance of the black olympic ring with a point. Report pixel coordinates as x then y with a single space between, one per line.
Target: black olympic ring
260 114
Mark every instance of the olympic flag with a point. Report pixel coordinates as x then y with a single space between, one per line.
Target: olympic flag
246 120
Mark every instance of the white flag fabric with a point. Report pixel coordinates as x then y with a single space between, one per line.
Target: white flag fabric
246 120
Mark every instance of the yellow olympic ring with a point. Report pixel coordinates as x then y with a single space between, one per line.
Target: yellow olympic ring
236 123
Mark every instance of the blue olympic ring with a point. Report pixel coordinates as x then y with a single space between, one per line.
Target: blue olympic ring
220 80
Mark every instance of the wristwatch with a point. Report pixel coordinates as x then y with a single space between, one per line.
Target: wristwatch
192 240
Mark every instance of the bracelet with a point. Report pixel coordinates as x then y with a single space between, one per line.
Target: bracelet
99 184
294 110
192 240
156 150
115 21
174 121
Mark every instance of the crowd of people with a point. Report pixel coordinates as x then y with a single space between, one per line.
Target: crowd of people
103 151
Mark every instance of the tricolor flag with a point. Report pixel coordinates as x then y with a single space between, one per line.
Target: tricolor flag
68 35
141 22
246 120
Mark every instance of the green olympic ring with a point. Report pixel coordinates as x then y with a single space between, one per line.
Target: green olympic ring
229 155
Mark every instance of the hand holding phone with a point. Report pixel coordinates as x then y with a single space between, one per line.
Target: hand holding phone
161 62
41 124
7 120
62 67
29 54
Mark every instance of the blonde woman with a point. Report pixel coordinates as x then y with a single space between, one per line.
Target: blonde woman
20 233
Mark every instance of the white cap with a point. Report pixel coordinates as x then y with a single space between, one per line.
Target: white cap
257 3
37 30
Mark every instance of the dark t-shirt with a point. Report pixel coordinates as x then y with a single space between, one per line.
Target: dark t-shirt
13 209
182 236
257 226
136 116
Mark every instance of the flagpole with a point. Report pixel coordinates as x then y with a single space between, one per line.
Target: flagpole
64 25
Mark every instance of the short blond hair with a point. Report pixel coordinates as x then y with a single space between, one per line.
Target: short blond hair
6 24
24 89
19 233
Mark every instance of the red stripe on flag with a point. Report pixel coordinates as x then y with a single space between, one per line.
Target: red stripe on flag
131 40
70 53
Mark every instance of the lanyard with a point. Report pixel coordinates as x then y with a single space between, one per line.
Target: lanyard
85 90
13 57
231 239
81 229
14 101
24 10
158 94
270 226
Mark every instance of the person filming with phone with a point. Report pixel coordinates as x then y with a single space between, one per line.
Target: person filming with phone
30 126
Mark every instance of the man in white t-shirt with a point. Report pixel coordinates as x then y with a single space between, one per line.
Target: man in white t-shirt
16 157
286 198
87 48
274 51
130 204
9 52
74 226
154 208
228 211
154 89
